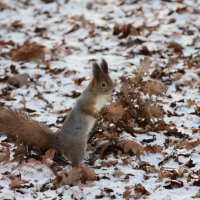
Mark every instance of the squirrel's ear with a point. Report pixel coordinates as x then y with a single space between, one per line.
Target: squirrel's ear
96 70
104 66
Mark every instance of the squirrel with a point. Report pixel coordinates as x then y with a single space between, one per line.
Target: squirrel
71 140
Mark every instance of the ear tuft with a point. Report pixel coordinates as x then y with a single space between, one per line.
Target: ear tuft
96 70
104 66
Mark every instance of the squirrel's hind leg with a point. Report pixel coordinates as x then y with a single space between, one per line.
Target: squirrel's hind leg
77 152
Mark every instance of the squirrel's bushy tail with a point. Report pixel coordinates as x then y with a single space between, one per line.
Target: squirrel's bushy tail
19 126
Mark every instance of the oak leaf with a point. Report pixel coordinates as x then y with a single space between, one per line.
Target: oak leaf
114 112
73 178
154 87
132 145
141 72
88 173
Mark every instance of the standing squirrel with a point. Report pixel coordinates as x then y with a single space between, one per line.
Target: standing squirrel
71 140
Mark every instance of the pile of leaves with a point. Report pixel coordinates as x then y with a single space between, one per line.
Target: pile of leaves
135 109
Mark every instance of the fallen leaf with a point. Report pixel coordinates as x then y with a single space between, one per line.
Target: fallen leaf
191 145
49 155
141 72
72 178
78 81
108 163
29 51
17 24
132 145
69 73
16 181
141 190
88 173
3 6
5 43
180 171
19 80
176 46
154 87
172 184
114 112
127 192
154 149
5 156
123 30
197 182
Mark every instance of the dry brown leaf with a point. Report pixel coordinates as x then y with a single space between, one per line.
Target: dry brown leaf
5 43
78 81
69 73
196 182
153 149
157 73
2 157
170 174
191 145
176 46
154 87
3 6
73 178
141 72
114 112
180 171
19 80
5 156
140 190
108 163
127 192
16 181
144 66
191 102
194 62
17 24
149 110
132 145
29 51
172 184
49 155
88 173
123 30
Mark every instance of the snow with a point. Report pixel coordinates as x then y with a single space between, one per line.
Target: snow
59 18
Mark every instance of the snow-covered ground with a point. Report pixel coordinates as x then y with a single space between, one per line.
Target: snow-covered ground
74 33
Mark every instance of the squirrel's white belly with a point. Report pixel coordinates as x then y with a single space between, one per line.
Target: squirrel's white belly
91 121
100 102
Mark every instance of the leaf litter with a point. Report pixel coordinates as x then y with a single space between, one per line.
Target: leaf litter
147 139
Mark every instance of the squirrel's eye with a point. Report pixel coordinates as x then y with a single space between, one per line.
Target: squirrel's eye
103 84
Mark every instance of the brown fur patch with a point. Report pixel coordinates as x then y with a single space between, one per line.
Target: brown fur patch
91 110
24 129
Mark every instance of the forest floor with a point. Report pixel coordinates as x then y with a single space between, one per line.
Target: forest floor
146 145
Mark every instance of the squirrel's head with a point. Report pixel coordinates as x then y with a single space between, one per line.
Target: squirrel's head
102 83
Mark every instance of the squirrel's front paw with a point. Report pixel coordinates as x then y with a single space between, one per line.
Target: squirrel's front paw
96 114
